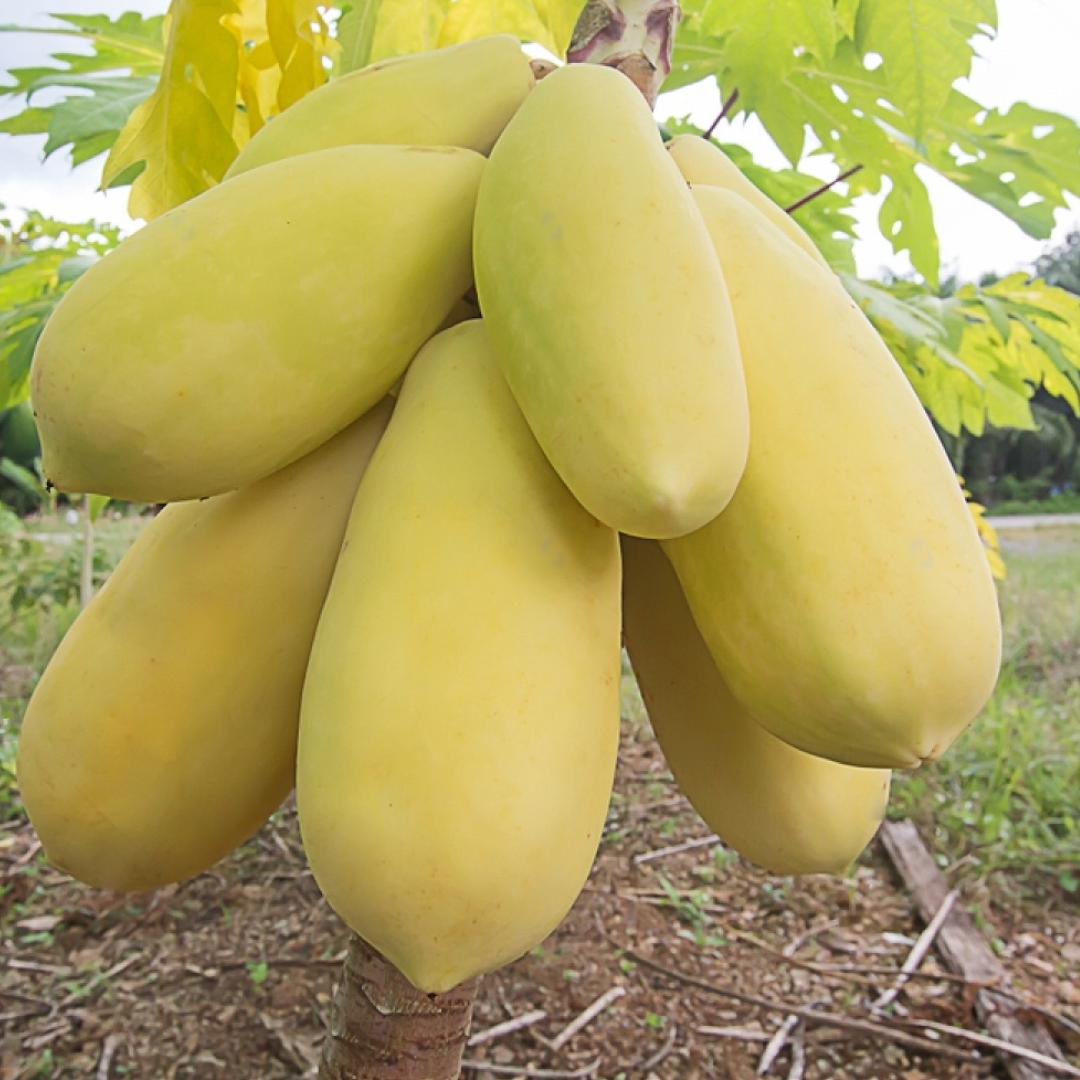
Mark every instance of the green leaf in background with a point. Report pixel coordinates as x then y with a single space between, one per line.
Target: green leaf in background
847 12
1020 161
39 260
924 49
979 356
761 42
907 220
97 97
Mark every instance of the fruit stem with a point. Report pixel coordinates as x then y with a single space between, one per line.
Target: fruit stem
383 1028
728 105
635 37
810 196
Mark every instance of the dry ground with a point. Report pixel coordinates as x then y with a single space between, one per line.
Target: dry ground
231 974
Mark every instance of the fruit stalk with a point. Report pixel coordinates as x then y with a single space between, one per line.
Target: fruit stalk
635 37
383 1028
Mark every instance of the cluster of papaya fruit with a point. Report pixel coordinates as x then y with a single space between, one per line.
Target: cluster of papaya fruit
460 379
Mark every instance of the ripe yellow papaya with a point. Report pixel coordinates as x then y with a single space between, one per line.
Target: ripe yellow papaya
701 161
163 731
607 308
843 593
789 812
460 716
460 95
236 333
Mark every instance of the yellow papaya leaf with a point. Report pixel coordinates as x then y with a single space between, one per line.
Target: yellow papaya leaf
407 26
547 22
987 534
285 48
301 40
182 133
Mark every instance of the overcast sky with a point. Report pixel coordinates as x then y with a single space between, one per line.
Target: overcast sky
1033 59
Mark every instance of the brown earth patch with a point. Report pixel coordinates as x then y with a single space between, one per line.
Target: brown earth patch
231 974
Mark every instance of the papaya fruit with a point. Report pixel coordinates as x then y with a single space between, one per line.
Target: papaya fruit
843 593
237 332
607 307
163 731
701 161
786 811
460 95
460 715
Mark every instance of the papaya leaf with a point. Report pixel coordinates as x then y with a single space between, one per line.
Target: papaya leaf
1021 160
96 92
760 42
39 260
924 48
469 19
407 26
182 133
31 121
355 32
82 122
300 39
906 219
847 12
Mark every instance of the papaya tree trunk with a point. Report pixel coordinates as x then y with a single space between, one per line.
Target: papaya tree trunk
634 36
383 1028
86 564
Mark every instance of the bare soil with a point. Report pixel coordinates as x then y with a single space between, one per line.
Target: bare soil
231 974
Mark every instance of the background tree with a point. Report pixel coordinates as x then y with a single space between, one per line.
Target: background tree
1060 265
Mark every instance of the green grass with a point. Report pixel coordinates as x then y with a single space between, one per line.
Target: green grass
1064 502
1006 795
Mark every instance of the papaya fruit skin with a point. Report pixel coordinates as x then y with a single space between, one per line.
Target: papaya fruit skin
786 811
461 95
236 333
607 307
843 593
703 162
163 731
460 716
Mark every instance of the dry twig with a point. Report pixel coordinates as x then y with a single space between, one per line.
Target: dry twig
525 1070
918 951
507 1026
108 1049
676 849
816 1016
776 1044
590 1014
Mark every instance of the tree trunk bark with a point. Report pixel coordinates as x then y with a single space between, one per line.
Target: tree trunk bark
383 1028
635 37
